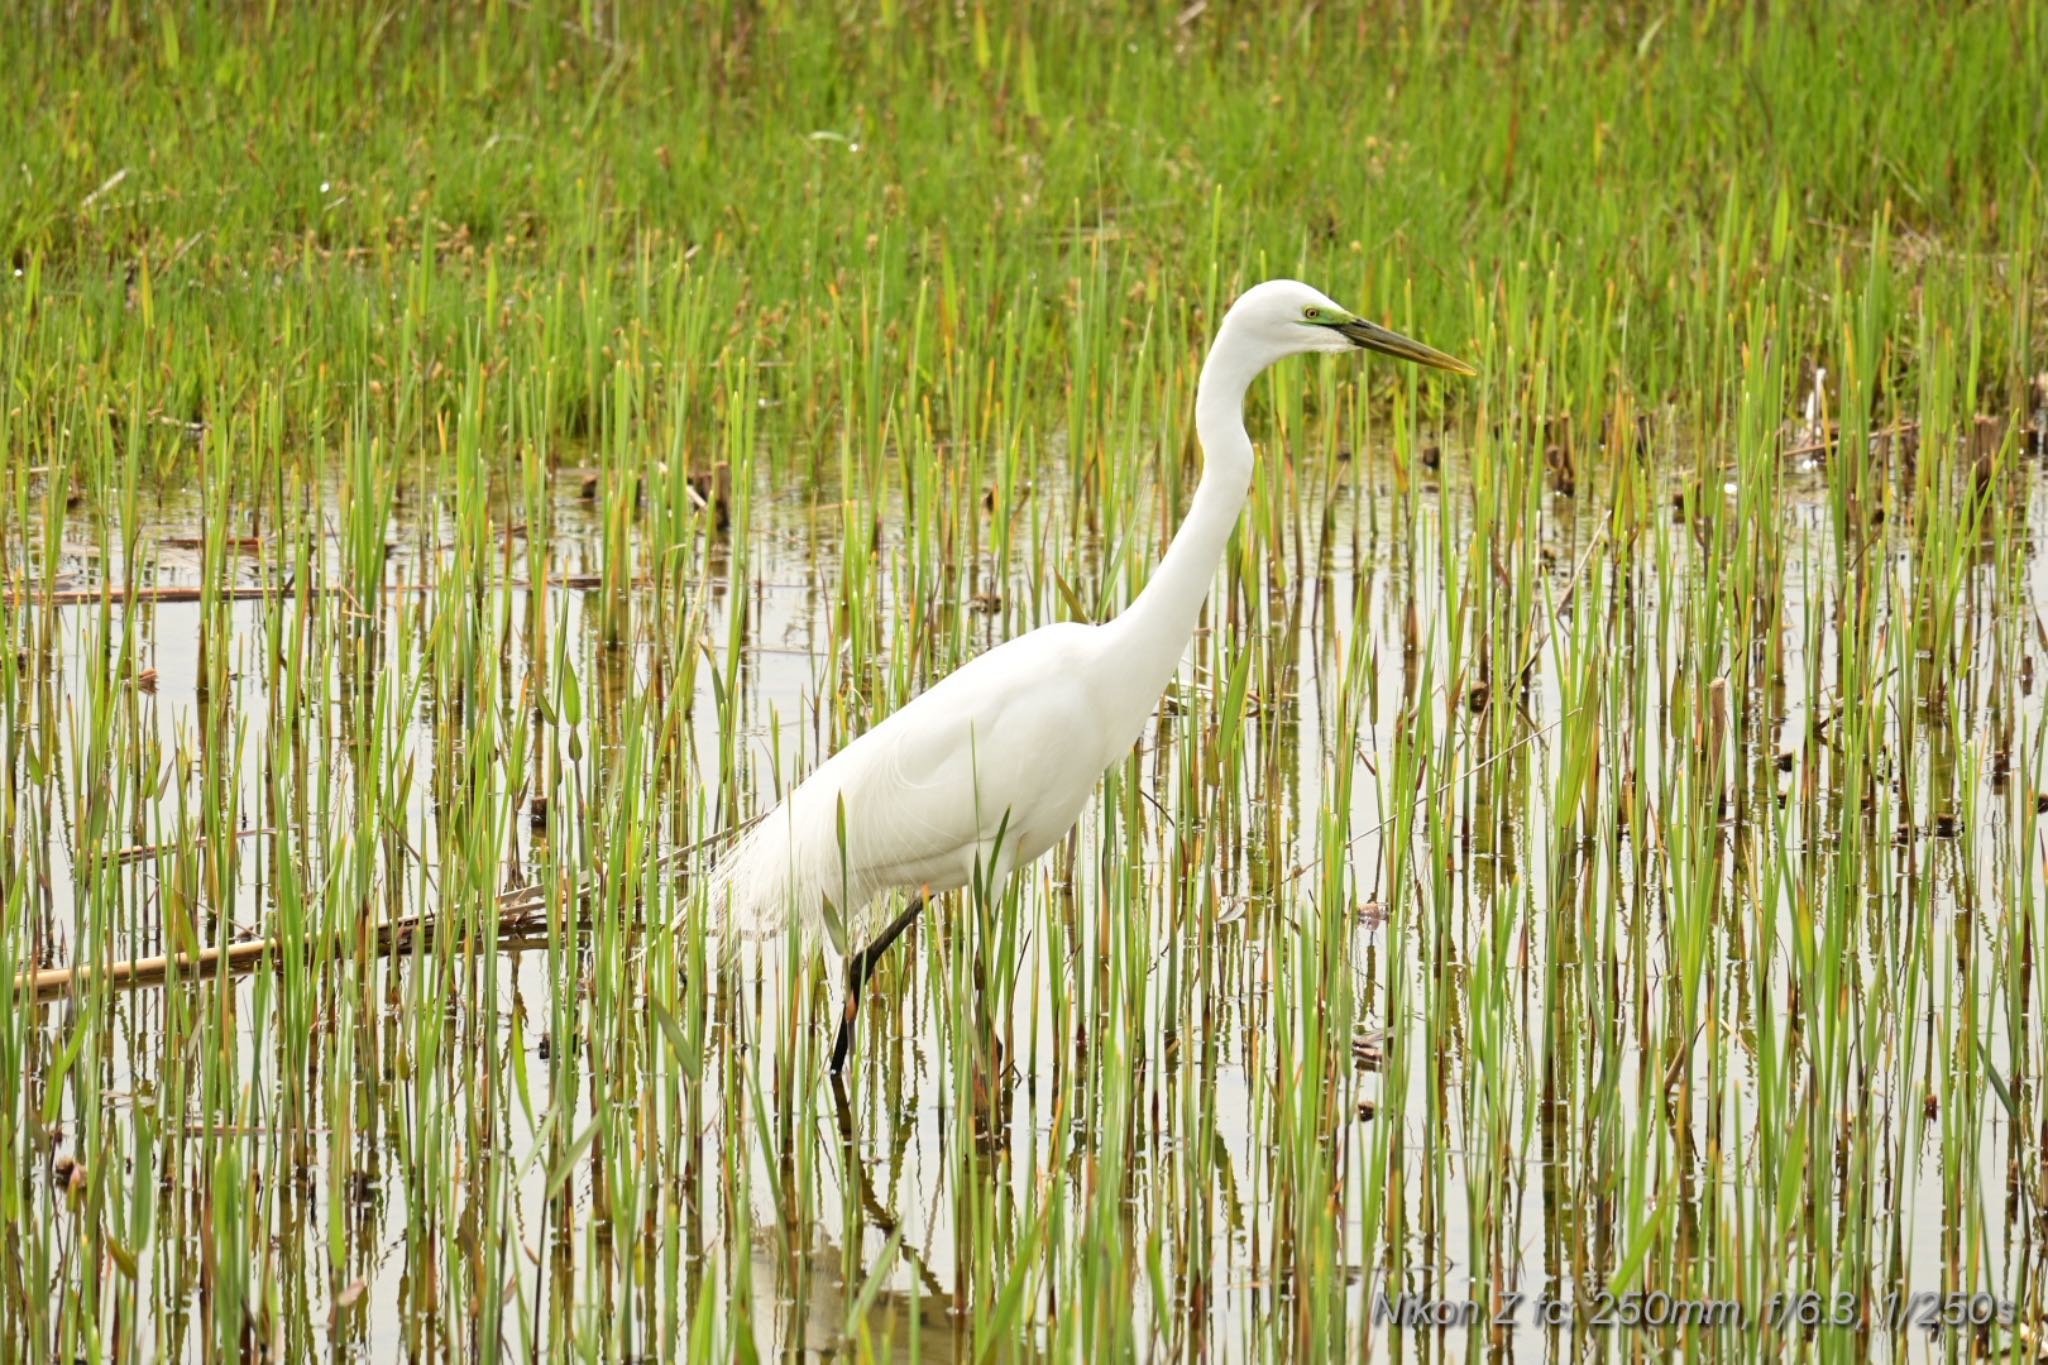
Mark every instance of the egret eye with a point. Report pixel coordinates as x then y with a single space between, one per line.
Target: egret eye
1312 313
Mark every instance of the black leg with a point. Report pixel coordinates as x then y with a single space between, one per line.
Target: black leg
859 968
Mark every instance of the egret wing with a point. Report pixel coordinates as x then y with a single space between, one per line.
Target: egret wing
993 752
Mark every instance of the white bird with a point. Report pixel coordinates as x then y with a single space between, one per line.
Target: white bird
992 765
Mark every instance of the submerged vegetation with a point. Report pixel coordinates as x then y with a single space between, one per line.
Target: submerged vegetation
458 462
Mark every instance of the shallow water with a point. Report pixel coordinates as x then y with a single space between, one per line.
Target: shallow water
517 1135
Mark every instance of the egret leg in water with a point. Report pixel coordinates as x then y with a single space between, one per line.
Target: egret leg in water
859 968
992 765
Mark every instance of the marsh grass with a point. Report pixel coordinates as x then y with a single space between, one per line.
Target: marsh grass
1592 846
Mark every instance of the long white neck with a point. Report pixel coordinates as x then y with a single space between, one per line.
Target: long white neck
1149 637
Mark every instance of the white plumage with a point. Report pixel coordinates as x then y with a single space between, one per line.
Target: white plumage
992 765
925 792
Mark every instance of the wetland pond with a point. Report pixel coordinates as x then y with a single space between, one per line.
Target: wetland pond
1520 898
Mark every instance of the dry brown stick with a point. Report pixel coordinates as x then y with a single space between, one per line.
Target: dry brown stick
168 592
188 592
517 923
236 958
147 971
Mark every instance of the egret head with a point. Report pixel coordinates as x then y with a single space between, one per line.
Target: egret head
1285 317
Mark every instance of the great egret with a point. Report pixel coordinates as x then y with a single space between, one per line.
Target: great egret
991 765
